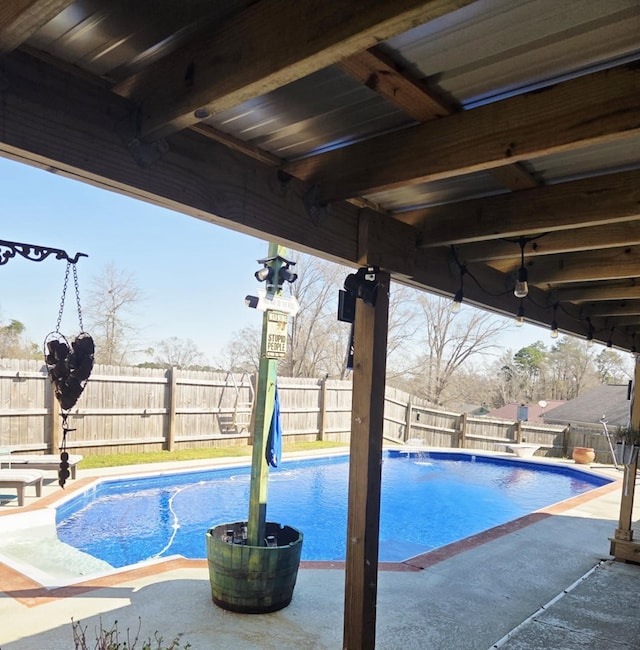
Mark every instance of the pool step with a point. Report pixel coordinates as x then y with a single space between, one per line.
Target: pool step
50 561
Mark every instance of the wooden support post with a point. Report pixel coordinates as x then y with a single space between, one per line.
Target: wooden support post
265 396
264 407
322 425
363 519
170 440
624 532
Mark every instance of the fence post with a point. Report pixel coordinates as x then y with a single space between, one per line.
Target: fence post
408 416
252 420
54 418
323 408
519 431
171 425
463 431
565 440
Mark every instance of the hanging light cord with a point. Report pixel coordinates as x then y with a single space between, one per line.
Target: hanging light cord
464 270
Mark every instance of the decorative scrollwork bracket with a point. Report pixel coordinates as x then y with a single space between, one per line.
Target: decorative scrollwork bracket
33 252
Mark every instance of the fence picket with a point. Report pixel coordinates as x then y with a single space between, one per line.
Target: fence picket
151 409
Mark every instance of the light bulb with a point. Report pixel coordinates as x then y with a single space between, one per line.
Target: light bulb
554 332
522 286
590 343
456 303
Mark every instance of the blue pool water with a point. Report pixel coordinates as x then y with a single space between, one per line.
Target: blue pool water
428 500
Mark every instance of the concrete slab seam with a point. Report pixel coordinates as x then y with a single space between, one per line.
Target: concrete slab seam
544 607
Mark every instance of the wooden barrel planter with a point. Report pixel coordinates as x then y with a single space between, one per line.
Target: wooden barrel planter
253 579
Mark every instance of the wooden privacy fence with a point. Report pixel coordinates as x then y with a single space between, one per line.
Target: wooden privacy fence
138 409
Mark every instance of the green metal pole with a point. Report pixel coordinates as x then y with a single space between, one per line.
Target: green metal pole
265 398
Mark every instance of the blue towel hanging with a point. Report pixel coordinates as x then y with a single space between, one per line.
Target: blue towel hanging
274 439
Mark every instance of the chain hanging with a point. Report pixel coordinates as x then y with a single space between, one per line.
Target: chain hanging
64 295
69 367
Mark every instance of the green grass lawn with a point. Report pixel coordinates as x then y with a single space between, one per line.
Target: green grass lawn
115 460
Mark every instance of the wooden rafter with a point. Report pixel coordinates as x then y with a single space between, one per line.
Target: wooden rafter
377 71
610 235
606 264
595 108
613 308
197 176
585 292
589 202
241 59
21 18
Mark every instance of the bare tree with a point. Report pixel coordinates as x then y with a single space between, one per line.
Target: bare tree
178 353
242 353
310 352
504 383
112 297
612 368
450 340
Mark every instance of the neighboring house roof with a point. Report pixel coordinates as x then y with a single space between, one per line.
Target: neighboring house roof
471 409
609 400
535 412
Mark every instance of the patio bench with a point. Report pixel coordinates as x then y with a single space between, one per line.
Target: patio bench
43 461
21 479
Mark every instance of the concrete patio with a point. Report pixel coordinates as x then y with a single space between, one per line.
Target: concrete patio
546 581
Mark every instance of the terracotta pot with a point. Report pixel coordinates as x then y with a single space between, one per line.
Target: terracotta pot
583 455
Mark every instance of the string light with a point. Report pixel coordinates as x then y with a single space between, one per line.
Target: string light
522 286
554 322
589 333
520 315
456 304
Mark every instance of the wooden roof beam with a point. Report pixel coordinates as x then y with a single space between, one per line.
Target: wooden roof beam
612 308
242 59
594 108
195 176
623 290
377 71
607 264
374 69
610 235
436 272
21 18
576 204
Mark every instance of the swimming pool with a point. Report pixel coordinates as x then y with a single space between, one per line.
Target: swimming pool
429 499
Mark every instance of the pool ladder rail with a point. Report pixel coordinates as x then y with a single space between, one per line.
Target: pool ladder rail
239 419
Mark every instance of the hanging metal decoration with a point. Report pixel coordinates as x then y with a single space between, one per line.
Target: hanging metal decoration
69 367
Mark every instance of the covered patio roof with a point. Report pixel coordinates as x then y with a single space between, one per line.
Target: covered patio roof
437 139
459 145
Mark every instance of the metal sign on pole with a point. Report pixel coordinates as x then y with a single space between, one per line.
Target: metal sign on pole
264 301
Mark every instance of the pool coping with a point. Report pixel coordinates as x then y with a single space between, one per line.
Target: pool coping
31 593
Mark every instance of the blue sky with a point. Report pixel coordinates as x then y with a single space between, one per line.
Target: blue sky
194 275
